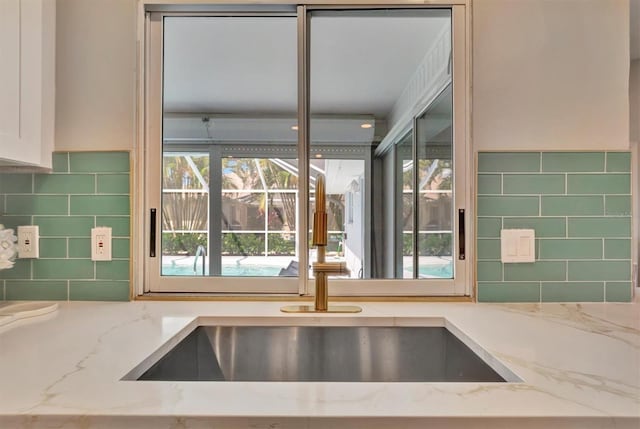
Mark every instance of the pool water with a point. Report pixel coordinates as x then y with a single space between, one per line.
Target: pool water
227 270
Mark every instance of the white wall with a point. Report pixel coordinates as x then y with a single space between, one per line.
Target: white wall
550 74
95 74
634 101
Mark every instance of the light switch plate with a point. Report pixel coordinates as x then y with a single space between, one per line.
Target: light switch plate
28 241
101 243
517 245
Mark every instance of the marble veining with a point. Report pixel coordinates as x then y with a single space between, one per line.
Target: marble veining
579 365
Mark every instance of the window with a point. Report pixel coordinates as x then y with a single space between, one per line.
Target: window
245 109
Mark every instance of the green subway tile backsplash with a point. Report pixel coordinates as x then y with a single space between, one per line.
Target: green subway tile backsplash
99 290
489 227
570 249
16 183
582 225
533 184
618 291
65 226
489 184
113 183
53 247
572 292
37 204
599 270
544 226
564 162
598 184
617 205
55 290
509 292
508 161
86 189
599 227
617 248
508 206
99 204
99 162
542 271
619 162
572 205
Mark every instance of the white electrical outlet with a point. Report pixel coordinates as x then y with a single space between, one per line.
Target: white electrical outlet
101 243
28 241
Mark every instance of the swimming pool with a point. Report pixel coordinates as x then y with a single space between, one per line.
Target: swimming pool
227 270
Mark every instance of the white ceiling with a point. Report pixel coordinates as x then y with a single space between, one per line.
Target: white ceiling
245 65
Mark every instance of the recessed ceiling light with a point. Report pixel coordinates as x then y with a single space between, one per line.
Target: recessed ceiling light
318 155
366 125
294 127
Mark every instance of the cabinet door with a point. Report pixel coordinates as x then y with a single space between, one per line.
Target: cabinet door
27 81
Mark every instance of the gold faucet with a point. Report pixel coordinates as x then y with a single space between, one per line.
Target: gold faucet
321 268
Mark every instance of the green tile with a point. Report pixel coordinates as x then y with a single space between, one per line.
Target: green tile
599 270
572 161
489 184
38 204
99 205
14 221
99 162
80 247
489 271
61 162
36 290
509 292
617 205
497 162
598 184
617 249
63 269
508 206
64 226
570 249
544 227
53 247
608 227
488 249
16 183
489 227
20 270
572 205
572 292
121 248
119 225
99 290
542 271
618 291
113 184
64 184
619 162
533 183
112 270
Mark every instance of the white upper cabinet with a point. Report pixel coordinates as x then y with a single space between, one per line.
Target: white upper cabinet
27 82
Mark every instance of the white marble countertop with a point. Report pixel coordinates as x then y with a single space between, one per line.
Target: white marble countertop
579 365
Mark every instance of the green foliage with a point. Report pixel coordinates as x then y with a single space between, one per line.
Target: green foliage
429 245
182 243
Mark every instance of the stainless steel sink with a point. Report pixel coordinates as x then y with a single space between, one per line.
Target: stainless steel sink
321 354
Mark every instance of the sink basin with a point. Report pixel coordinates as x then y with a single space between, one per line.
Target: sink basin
320 354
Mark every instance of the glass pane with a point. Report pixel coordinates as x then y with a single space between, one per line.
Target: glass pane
185 210
229 104
243 211
404 213
371 71
435 174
